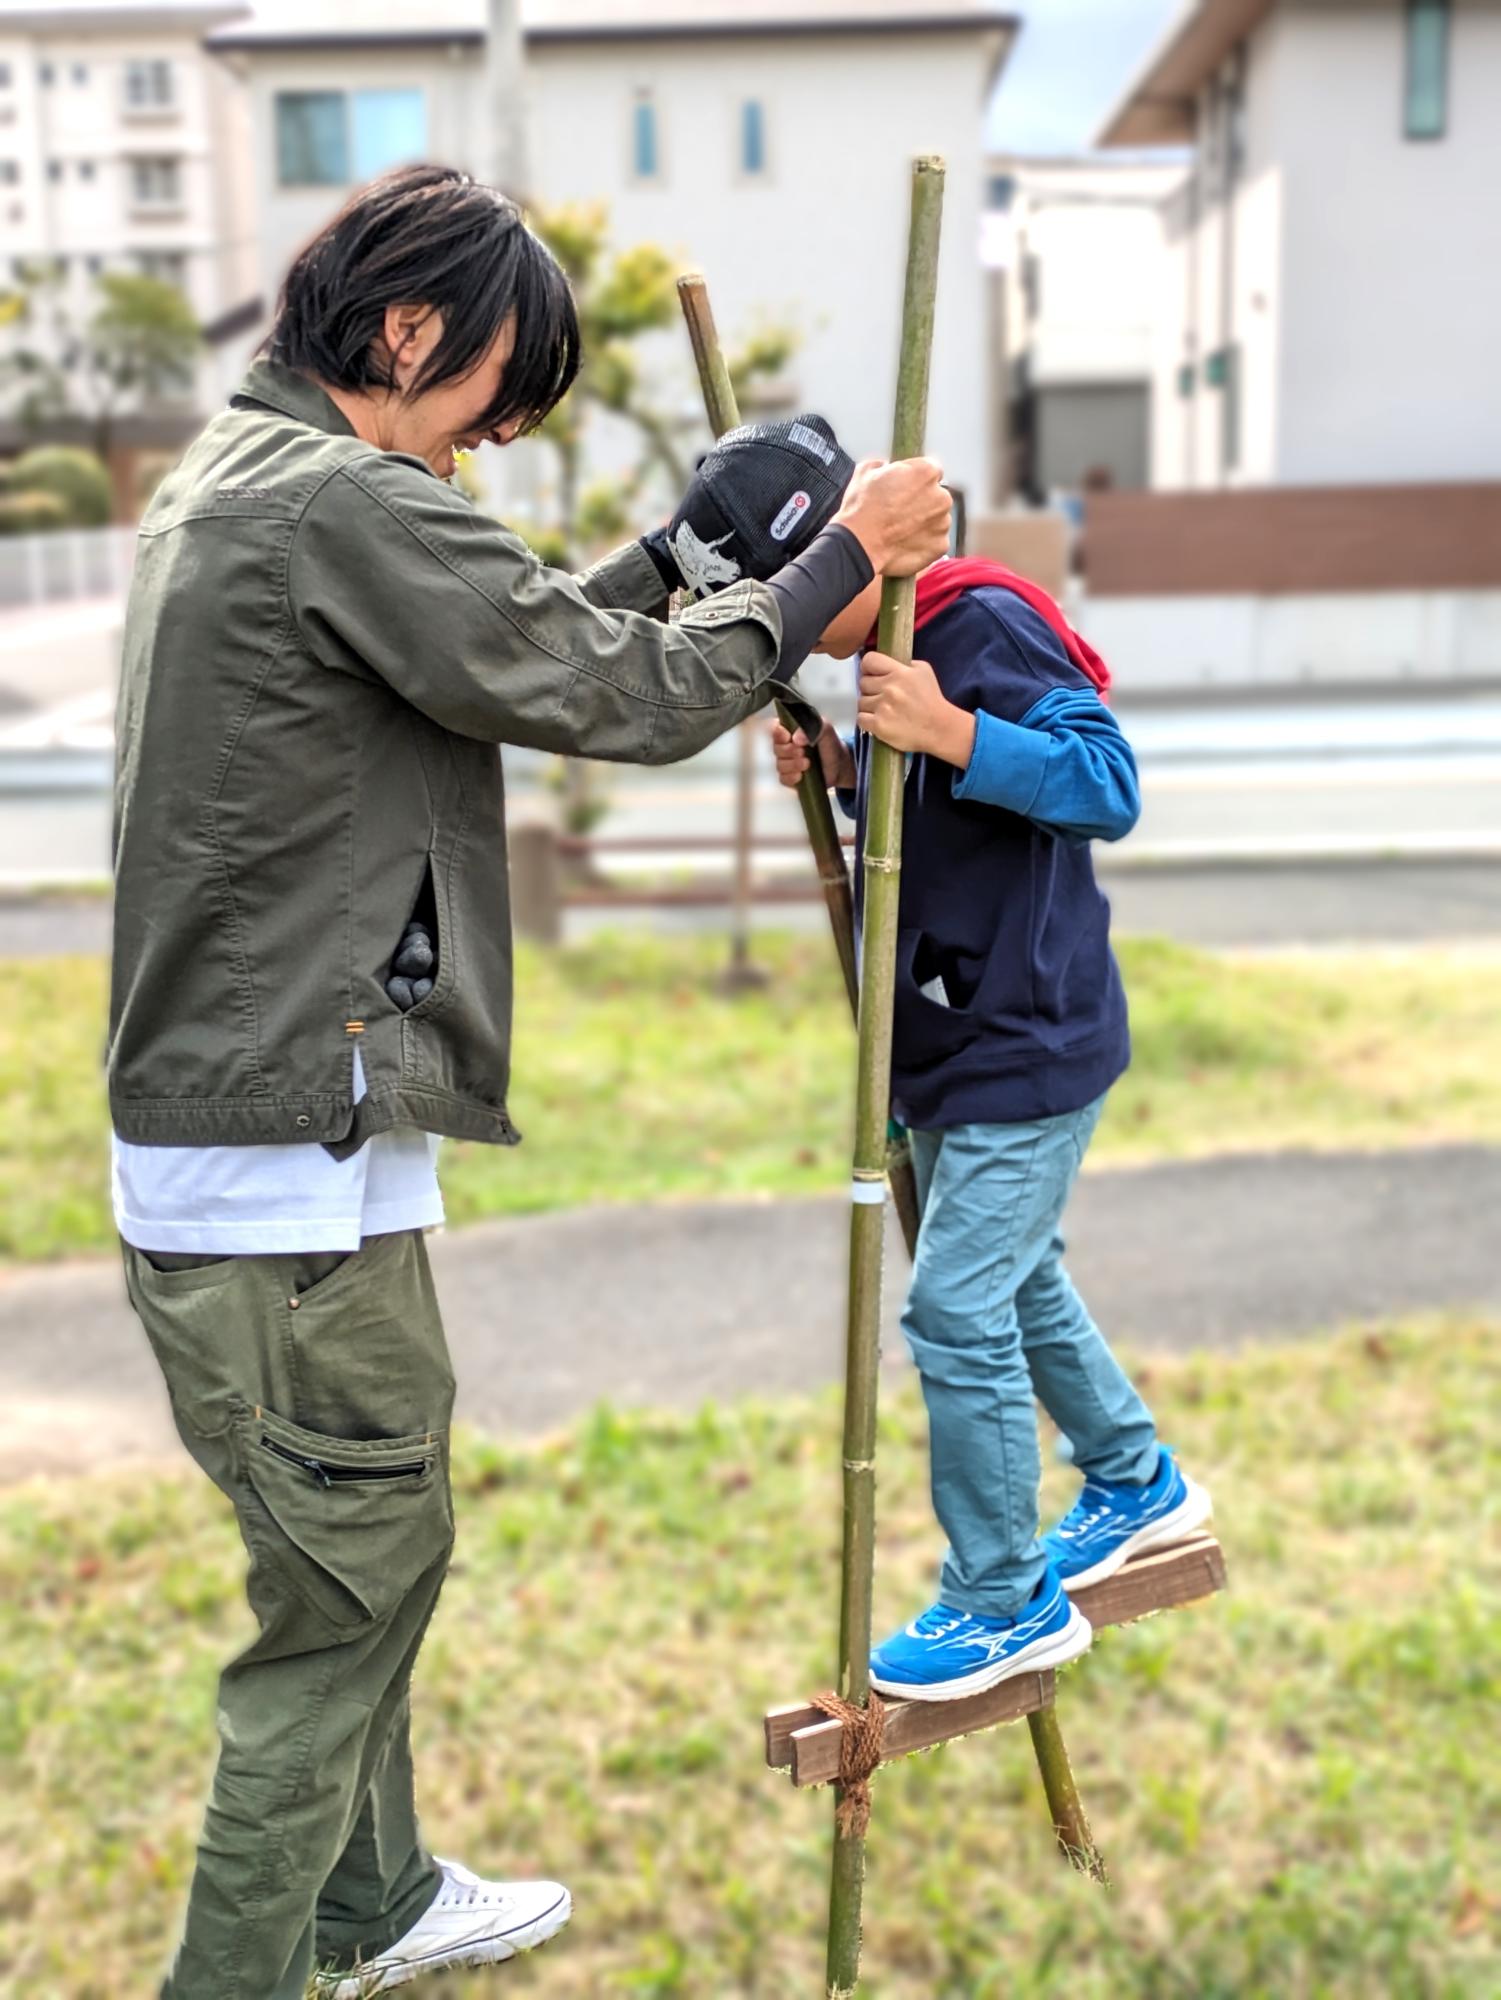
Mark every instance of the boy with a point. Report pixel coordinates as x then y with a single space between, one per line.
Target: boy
1010 1028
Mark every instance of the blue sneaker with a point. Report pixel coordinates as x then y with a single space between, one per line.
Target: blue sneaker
945 1654
1108 1524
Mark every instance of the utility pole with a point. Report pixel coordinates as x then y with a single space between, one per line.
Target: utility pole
505 161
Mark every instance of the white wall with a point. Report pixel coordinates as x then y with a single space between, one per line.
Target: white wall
1366 268
1155 643
820 243
1392 259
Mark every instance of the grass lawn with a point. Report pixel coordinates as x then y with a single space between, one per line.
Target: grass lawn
1296 1785
635 1079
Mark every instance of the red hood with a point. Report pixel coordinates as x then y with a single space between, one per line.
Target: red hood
938 588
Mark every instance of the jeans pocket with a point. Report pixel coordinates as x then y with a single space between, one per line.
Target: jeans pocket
349 1525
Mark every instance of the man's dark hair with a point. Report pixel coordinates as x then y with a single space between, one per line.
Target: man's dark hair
431 236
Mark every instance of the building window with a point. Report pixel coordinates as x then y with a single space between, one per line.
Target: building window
168 267
5 76
80 72
312 147
1427 112
94 266
54 170
327 138
752 137
10 173
85 170
155 183
1000 192
45 74
149 85
645 152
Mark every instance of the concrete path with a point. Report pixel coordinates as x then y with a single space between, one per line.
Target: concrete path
1240 905
672 1305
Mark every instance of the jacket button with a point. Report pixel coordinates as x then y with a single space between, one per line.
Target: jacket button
303 1121
294 1303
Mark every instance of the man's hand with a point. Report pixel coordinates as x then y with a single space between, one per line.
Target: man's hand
789 747
905 707
898 513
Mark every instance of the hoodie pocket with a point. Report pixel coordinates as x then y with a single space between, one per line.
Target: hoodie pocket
350 1526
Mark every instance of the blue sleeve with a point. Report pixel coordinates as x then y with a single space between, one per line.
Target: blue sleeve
1066 765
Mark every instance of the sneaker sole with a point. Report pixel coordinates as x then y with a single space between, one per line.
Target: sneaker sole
1192 1511
485 1951
1053 1649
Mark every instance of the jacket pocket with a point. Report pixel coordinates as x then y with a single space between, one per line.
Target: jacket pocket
350 1526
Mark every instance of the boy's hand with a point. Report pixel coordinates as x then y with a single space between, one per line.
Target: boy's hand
789 747
899 514
905 707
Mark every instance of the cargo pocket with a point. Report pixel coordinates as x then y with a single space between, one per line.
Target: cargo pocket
351 1526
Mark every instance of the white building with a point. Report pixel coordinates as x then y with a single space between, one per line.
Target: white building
764 141
1079 248
124 146
1332 310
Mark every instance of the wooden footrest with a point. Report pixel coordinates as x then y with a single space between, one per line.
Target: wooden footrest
805 1741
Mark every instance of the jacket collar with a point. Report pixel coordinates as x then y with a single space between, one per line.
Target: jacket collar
295 395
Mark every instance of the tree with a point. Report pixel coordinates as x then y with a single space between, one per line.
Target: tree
138 341
74 479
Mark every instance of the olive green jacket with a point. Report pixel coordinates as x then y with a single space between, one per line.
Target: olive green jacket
324 645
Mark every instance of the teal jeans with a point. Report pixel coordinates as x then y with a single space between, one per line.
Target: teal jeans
993 1321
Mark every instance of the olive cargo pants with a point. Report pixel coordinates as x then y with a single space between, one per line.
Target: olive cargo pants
316 1391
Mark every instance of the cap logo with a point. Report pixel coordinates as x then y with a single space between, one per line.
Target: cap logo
700 564
811 441
789 517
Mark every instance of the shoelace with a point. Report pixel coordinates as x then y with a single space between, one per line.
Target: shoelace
464 1890
1079 1517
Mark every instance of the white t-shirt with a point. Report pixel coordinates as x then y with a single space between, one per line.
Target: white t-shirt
247 1201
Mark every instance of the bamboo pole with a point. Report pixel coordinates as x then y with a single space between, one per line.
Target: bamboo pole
881 858
723 411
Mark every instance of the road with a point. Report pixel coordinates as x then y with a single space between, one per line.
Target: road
1221 906
671 1305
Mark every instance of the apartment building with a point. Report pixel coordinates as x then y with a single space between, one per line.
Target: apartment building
124 147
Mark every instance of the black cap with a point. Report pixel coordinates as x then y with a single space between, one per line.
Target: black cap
761 495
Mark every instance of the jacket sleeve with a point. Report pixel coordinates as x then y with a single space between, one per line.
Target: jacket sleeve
391 574
1066 765
628 580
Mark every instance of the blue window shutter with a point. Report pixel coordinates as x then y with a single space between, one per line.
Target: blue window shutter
752 137
1426 113
645 139
389 130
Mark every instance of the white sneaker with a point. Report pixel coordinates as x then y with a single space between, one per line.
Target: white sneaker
470 1922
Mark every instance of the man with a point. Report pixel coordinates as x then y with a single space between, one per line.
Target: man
323 646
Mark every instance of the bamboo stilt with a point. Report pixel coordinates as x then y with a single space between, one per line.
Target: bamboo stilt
881 859
876 1152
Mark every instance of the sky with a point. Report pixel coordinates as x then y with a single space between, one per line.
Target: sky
1072 61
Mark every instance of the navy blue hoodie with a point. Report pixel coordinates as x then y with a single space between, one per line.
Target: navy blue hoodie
1009 1004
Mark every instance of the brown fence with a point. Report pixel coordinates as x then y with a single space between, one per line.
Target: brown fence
1293 538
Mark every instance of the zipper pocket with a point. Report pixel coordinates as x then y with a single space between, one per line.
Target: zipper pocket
326 1475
